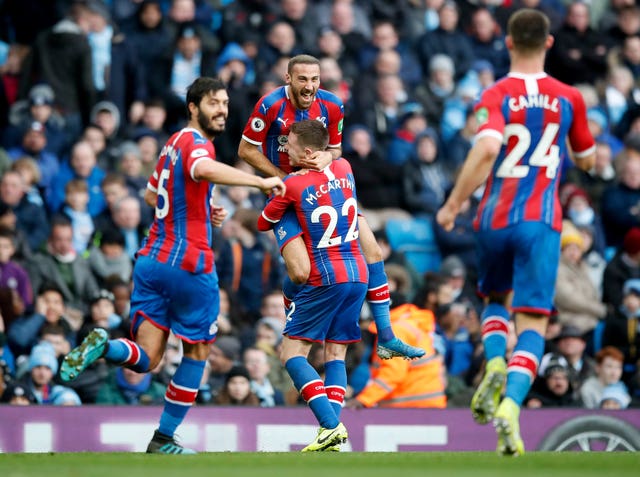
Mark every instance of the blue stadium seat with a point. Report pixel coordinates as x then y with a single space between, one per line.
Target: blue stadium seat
415 238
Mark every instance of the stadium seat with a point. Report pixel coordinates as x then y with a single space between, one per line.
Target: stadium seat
415 239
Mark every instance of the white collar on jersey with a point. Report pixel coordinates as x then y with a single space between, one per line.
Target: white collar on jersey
515 74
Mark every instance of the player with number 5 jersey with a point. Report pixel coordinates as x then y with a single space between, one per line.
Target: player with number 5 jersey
175 286
525 121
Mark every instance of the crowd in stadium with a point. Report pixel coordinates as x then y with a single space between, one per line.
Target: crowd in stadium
91 90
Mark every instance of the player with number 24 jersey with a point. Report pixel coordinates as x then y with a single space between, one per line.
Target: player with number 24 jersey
532 115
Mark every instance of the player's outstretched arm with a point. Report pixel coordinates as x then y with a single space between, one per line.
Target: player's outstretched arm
219 173
251 154
474 173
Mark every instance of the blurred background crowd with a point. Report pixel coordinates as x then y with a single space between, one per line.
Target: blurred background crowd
90 91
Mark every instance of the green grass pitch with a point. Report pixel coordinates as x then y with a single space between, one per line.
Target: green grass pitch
348 464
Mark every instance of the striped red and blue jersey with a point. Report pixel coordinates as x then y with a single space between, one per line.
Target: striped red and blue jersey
533 115
269 124
327 209
181 231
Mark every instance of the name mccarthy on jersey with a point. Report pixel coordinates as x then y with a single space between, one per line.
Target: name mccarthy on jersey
327 187
543 101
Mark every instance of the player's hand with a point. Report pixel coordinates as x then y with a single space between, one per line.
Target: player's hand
317 161
273 185
446 217
218 215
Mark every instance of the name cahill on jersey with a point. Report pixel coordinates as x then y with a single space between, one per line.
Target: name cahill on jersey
323 189
543 101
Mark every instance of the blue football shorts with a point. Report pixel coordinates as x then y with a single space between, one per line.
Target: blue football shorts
327 313
522 258
175 299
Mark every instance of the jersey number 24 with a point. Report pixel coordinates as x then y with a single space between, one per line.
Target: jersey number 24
546 154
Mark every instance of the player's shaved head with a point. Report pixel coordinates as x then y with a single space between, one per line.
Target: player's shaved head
311 134
529 30
302 60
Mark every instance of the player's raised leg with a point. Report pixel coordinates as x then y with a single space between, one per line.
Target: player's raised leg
389 346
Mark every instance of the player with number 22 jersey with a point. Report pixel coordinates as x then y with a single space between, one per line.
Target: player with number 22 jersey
327 209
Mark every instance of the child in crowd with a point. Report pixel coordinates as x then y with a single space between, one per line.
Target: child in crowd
77 209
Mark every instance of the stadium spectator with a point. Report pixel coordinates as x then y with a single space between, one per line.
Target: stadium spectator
81 165
256 362
17 394
424 177
31 218
621 331
624 266
411 122
236 390
620 200
61 57
446 39
126 387
16 294
438 87
59 264
609 361
571 343
25 332
595 181
109 259
76 201
43 366
615 396
224 354
460 241
38 107
400 383
384 37
579 53
552 387
487 41
576 299
30 172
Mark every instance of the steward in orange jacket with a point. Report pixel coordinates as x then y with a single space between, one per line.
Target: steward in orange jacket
401 383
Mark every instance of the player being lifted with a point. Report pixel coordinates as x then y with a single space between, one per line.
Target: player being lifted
175 282
264 146
525 120
327 308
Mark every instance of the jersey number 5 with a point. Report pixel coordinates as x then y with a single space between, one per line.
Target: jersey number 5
327 239
546 154
161 212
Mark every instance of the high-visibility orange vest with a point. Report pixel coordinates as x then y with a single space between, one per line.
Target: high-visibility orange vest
400 383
